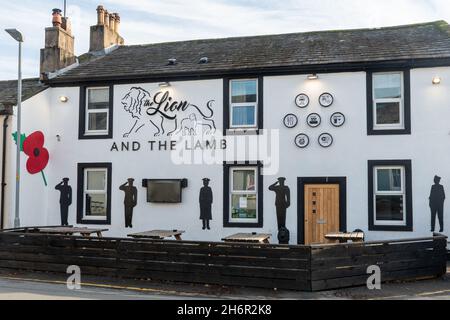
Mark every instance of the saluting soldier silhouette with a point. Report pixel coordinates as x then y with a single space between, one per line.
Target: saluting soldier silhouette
282 200
65 200
206 200
437 198
130 201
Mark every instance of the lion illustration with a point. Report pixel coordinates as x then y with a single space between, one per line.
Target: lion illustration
138 100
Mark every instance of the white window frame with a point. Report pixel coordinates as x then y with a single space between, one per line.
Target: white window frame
243 192
88 112
86 191
376 193
243 104
401 101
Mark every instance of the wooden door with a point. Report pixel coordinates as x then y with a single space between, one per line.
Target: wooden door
321 212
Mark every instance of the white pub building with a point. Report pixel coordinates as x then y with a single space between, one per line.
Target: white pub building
191 135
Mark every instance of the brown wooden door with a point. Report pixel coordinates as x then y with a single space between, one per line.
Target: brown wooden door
321 212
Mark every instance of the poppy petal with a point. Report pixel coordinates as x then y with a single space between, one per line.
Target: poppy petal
37 164
33 141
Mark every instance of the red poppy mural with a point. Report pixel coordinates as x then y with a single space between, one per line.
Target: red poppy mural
38 156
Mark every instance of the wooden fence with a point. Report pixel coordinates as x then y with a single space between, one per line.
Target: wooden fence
304 268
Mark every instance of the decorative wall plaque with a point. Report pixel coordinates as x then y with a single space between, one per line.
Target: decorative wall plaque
326 99
314 120
302 140
325 140
290 120
302 100
337 119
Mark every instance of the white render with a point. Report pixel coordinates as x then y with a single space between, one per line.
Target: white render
428 147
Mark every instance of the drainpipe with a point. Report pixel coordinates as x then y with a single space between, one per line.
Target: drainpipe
2 205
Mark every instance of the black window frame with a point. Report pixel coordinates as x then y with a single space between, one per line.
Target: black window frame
82 113
227 106
407 164
406 104
226 195
80 192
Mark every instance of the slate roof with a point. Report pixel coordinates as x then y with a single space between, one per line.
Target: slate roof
8 91
419 41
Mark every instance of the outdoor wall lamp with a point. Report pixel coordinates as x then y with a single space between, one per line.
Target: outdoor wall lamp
63 99
436 80
313 76
164 84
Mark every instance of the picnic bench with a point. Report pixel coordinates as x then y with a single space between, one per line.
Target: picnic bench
248 237
158 234
342 237
85 232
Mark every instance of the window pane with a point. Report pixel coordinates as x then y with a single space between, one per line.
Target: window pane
388 113
243 180
98 121
387 85
96 180
243 116
95 204
243 206
98 98
389 179
389 208
243 91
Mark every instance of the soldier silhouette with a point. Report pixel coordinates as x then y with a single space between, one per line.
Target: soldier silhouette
130 201
65 200
437 198
206 200
282 200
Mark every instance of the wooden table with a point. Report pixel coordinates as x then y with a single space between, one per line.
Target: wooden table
248 237
85 232
158 234
346 236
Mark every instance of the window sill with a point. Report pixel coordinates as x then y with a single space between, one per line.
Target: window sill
95 136
386 132
242 225
95 221
391 228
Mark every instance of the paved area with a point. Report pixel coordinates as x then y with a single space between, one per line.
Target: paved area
50 287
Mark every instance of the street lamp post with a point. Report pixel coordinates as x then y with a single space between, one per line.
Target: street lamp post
16 35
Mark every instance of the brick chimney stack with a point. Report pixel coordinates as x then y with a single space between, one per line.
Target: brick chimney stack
106 33
58 52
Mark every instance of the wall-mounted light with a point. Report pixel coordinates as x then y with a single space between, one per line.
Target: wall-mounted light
58 138
313 76
164 84
436 80
63 99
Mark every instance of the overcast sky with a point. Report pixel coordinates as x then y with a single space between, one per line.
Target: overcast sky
150 21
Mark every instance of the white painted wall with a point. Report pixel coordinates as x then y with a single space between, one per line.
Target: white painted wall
427 147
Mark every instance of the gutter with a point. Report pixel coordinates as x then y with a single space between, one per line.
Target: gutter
3 184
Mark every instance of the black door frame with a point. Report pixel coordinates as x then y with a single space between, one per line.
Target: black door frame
301 182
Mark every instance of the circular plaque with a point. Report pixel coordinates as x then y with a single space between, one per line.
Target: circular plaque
290 120
302 140
326 99
302 100
337 119
314 120
325 140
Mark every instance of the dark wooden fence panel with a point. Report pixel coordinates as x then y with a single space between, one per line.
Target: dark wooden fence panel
346 265
258 265
268 266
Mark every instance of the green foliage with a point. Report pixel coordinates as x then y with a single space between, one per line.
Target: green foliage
22 139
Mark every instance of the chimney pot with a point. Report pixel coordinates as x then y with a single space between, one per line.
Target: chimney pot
57 18
100 15
106 18
112 21
116 22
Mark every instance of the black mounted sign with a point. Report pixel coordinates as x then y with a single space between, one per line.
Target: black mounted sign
325 140
314 120
302 100
302 140
337 119
326 99
290 120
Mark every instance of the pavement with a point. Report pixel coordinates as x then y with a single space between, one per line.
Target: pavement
21 286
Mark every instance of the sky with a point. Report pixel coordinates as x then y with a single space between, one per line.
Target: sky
152 21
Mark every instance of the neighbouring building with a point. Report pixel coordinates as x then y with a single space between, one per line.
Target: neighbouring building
356 121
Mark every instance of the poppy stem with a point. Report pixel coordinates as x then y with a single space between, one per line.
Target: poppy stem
43 177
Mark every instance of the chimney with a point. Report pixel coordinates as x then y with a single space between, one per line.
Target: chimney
106 33
58 52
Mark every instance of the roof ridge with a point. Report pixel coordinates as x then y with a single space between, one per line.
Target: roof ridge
437 23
